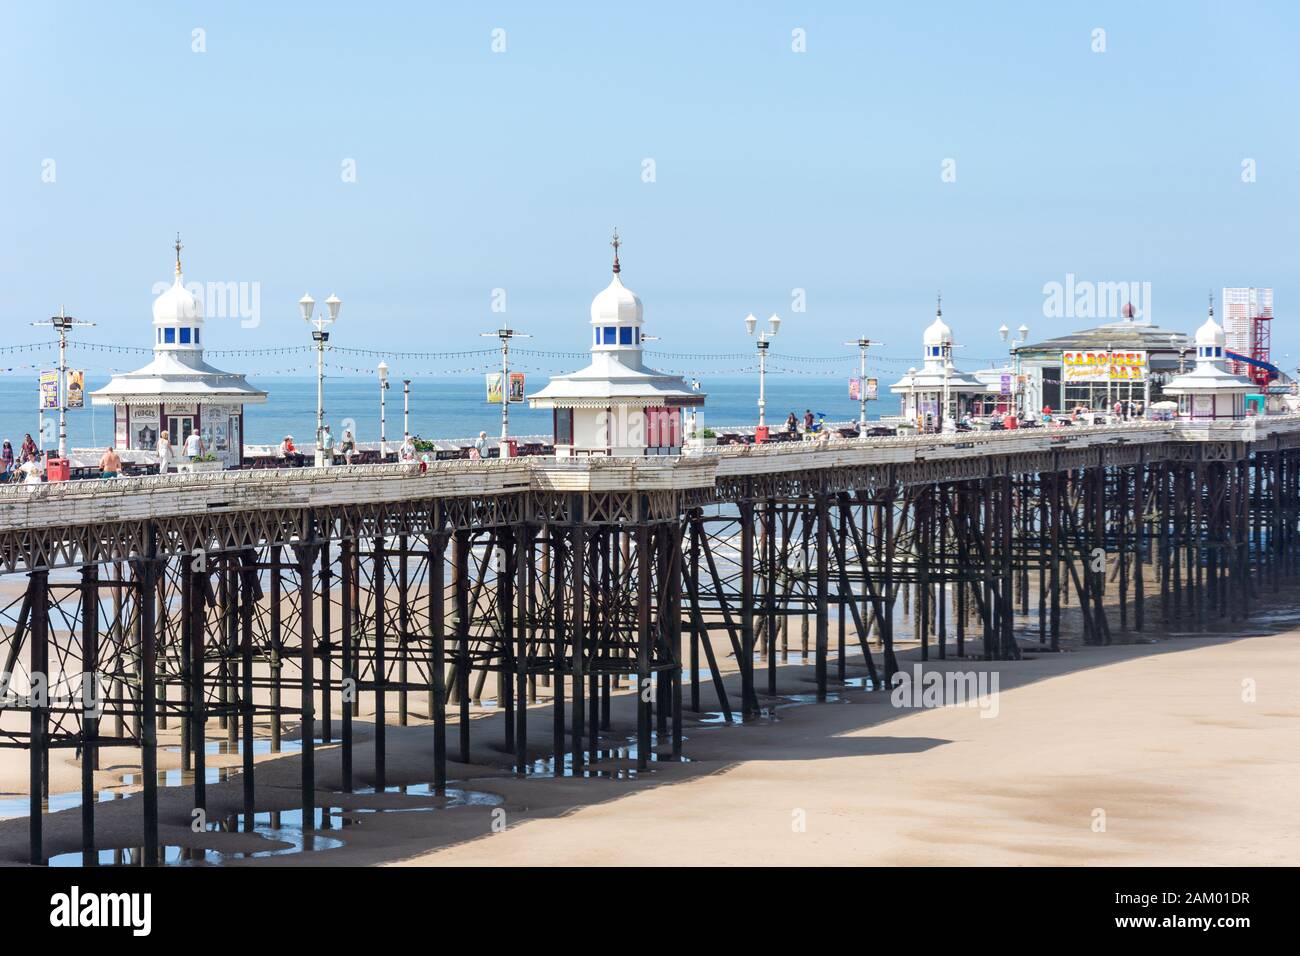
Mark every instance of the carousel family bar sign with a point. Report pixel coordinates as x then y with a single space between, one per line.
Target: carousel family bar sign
1103 366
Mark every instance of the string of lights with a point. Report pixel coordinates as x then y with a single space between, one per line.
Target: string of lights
880 363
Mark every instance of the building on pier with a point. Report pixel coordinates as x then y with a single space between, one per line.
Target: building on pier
937 392
178 392
1210 391
1119 361
616 406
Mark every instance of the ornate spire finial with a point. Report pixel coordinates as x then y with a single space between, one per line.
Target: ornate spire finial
616 242
938 305
179 247
1211 303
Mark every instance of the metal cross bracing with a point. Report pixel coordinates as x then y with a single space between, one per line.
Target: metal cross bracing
303 621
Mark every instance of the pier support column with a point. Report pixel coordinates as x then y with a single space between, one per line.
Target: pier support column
577 626
147 570
247 582
195 624
644 585
276 649
823 520
307 627
91 706
746 659
327 639
460 584
347 652
403 646
523 559
556 544
437 542
38 600
1139 541
379 580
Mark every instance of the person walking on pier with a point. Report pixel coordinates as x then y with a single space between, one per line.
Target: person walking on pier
792 425
807 420
348 446
7 461
29 450
194 446
479 447
327 446
110 464
166 457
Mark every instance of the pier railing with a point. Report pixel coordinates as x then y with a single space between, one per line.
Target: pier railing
51 504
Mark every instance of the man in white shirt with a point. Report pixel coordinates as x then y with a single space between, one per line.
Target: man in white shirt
194 446
407 451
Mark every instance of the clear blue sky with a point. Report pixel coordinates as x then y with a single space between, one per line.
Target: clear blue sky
775 170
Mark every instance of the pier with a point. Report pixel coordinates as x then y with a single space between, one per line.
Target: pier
202 601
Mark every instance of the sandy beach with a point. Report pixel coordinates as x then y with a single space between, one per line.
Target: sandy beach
1156 736
1170 752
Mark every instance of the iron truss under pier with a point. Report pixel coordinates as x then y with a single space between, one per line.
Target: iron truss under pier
203 600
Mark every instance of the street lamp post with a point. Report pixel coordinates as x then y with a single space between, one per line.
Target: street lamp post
62 324
1022 334
774 326
406 410
320 336
863 343
505 334
383 407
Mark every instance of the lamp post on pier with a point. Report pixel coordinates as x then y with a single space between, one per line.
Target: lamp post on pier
62 324
774 326
1022 334
505 334
863 343
383 408
320 336
406 410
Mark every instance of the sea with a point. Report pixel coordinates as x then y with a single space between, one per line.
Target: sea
441 407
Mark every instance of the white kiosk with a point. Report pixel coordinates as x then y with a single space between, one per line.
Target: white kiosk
616 406
937 391
178 392
1209 392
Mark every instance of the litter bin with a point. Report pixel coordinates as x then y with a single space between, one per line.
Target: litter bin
512 448
57 469
760 434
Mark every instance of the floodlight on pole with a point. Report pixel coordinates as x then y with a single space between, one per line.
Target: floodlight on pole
63 324
863 343
774 326
320 335
505 334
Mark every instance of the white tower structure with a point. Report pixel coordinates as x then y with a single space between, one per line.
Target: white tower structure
178 392
1241 307
616 405
1210 392
937 391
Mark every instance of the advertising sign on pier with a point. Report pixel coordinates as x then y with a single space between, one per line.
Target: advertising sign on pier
49 389
1090 365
